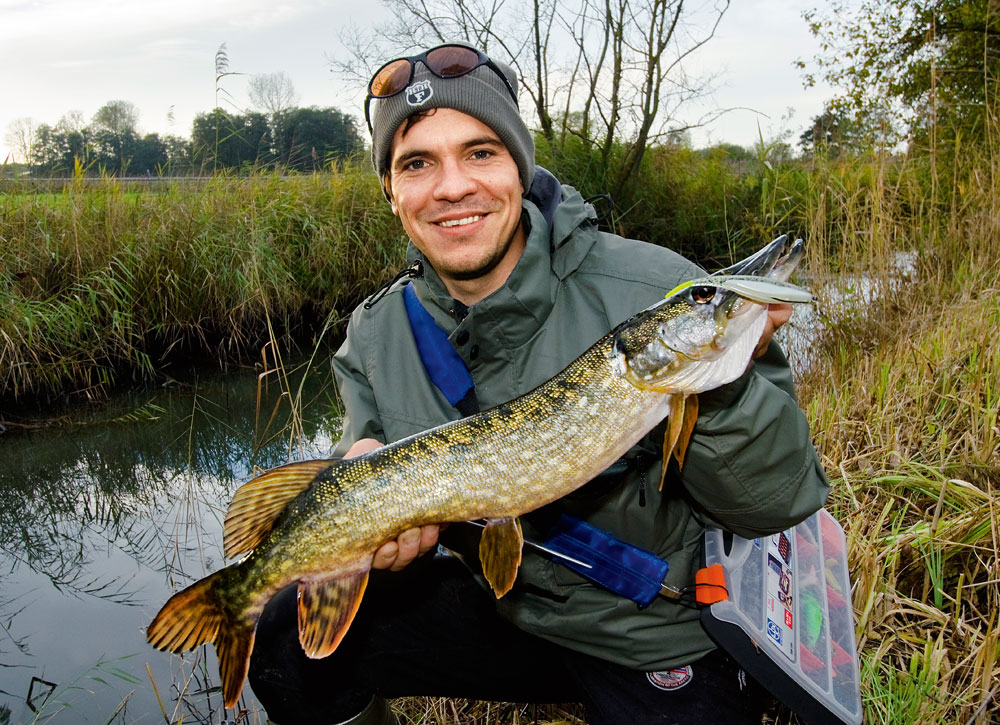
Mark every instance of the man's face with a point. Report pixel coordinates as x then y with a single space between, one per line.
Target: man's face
457 191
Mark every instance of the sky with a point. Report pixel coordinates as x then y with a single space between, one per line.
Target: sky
58 56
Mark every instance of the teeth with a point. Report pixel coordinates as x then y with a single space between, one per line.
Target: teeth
460 222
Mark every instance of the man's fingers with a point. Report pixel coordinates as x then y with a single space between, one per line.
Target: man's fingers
386 555
777 315
428 538
409 547
401 551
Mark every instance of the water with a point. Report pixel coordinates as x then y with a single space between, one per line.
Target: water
100 523
838 299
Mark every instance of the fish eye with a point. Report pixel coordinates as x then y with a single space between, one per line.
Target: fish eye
702 294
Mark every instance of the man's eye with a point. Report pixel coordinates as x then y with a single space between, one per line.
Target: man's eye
414 165
482 154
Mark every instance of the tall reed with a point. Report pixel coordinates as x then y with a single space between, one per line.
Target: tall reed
100 279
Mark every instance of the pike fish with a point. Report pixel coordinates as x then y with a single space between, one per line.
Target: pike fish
318 523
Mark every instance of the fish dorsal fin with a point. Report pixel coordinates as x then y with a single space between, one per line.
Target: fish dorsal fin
500 553
680 424
326 610
257 503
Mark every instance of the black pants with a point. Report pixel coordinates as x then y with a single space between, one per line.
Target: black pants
436 632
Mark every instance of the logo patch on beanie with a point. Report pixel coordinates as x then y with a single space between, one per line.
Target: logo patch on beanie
419 93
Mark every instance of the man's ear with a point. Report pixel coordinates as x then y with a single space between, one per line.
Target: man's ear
386 183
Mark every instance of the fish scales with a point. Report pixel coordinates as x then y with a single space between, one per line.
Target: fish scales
426 478
319 523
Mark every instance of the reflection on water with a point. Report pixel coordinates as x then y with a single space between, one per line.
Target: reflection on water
100 523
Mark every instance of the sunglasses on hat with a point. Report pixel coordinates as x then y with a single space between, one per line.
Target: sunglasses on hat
444 61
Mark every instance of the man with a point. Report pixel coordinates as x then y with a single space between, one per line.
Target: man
513 268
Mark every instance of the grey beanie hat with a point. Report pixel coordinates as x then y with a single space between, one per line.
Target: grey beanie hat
481 94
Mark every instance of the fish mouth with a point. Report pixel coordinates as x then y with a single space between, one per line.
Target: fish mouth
765 259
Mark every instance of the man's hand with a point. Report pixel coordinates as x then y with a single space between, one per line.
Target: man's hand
397 555
777 315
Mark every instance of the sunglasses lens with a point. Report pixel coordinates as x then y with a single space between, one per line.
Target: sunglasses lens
390 79
452 60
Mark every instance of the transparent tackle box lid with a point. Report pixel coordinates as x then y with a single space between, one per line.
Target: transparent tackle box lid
788 618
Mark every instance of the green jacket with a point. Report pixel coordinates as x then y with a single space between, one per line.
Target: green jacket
750 466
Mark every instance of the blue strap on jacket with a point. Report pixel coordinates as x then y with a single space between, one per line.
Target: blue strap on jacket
625 569
444 366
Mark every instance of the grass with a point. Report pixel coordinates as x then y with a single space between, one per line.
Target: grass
101 282
902 395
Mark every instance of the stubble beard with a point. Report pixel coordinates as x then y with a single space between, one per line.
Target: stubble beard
467 275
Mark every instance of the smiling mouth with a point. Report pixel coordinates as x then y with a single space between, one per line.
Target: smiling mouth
460 222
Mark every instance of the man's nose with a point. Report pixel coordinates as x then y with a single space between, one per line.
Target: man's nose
455 181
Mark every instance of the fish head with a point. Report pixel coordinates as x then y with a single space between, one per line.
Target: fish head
702 335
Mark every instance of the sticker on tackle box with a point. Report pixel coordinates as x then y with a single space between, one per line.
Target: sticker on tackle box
779 595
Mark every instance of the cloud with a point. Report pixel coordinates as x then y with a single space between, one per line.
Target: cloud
59 24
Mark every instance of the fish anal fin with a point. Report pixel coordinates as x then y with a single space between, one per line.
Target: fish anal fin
233 647
257 503
690 418
326 610
500 553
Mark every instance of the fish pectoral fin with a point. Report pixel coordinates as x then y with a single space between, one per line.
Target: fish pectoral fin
500 553
257 503
680 425
326 610
690 418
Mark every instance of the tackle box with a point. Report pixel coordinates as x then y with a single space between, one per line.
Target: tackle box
788 618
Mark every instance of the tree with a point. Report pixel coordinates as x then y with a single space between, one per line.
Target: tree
272 92
71 122
178 153
117 118
223 140
932 63
617 85
21 137
307 138
150 156
832 133
114 130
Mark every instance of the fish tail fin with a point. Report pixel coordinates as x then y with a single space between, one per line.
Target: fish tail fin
195 616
